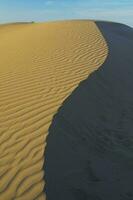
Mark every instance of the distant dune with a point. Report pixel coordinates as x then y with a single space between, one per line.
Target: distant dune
42 71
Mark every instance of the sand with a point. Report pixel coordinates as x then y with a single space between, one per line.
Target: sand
40 65
89 152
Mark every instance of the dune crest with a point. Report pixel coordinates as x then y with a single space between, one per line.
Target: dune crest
40 65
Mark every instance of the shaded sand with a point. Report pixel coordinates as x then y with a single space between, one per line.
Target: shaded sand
89 152
40 65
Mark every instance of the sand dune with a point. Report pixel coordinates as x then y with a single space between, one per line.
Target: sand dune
40 65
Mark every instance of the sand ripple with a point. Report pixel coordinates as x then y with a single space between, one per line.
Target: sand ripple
40 65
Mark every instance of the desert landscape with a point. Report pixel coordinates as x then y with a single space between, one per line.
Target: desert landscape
66 100
41 65
66 110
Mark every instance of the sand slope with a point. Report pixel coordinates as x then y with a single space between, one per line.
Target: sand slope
40 65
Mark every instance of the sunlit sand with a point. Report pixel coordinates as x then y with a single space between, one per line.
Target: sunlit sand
40 65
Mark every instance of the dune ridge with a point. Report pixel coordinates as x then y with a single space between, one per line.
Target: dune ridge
40 65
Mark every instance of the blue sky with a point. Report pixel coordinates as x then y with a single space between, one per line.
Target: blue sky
45 10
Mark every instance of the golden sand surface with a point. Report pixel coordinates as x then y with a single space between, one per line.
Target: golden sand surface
40 65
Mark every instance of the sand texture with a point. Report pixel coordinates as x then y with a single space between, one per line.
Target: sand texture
40 65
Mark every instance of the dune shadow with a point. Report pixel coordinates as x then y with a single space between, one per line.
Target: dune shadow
89 152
